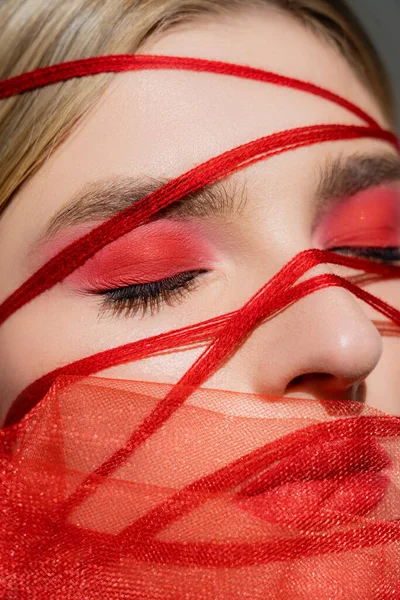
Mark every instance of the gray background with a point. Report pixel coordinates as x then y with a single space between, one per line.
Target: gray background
381 18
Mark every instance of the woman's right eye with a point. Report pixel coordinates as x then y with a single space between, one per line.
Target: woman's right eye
148 298
154 265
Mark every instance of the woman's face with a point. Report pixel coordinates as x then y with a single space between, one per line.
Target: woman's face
213 251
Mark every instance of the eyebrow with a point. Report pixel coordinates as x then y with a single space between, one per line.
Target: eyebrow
342 177
338 177
102 200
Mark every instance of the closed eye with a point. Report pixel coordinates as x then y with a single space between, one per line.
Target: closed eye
149 298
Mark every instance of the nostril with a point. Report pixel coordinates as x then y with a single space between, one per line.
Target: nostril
325 386
311 379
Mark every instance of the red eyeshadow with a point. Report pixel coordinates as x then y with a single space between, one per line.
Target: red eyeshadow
152 252
369 218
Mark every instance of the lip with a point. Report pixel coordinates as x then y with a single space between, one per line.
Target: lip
327 484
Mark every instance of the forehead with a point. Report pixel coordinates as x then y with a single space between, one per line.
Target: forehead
162 123
172 120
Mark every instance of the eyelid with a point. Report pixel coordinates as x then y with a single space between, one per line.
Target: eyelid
369 217
150 253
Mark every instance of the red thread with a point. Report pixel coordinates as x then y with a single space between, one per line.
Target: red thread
129 62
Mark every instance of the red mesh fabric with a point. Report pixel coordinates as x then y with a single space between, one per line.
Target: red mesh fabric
236 496
117 489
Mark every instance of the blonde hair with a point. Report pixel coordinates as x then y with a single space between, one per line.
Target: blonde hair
36 34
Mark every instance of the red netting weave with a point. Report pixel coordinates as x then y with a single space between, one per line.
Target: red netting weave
284 502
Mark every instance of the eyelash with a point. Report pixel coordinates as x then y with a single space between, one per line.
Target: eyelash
148 298
390 254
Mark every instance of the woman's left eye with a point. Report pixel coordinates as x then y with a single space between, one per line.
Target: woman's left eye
390 254
148 298
366 225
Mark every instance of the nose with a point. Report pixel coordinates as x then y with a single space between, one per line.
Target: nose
324 347
328 347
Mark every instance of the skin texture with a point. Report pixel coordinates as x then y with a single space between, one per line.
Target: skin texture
160 124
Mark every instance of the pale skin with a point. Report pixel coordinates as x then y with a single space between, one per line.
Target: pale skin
160 124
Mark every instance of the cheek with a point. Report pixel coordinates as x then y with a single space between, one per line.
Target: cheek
42 336
62 342
384 381
19 363
166 368
61 328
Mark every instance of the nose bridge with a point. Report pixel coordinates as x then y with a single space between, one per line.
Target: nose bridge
281 293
